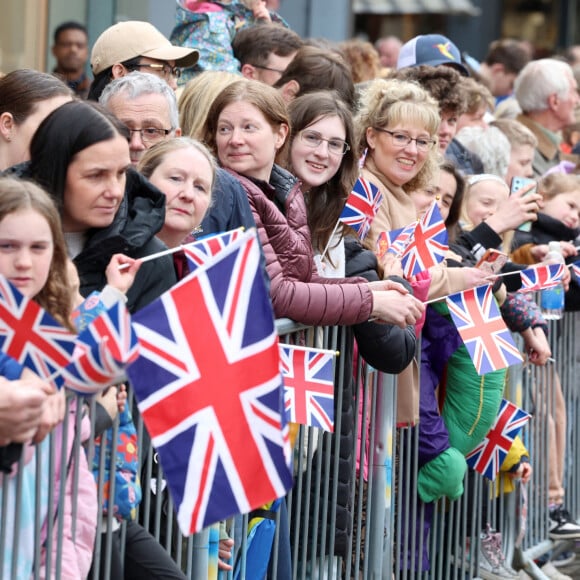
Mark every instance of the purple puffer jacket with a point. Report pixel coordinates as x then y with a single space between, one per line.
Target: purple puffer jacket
297 292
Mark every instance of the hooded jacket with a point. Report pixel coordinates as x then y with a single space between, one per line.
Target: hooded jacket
140 216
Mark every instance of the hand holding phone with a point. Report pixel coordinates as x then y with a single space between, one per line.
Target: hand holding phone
521 183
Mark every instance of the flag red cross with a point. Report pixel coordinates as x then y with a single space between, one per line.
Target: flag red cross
496 438
483 329
299 382
220 383
23 333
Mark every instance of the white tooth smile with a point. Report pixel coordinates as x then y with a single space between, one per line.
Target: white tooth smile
316 165
406 162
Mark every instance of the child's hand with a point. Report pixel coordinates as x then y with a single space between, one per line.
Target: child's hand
225 553
121 397
261 11
536 345
568 249
122 279
524 472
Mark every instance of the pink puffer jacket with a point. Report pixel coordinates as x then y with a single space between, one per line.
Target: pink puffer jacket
78 514
297 292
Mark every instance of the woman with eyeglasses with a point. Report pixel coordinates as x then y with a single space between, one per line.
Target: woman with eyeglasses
321 155
247 126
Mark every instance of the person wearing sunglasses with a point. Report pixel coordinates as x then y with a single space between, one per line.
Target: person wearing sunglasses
136 46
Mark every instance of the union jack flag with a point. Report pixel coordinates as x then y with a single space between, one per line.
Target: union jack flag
308 386
31 336
362 206
394 241
200 251
482 329
106 346
209 388
488 456
427 245
541 277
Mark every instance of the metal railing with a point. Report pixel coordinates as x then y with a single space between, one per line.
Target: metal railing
353 511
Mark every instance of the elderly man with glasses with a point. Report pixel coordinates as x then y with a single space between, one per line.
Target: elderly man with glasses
147 105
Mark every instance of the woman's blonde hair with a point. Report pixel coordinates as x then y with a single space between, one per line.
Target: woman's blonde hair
197 96
385 103
56 295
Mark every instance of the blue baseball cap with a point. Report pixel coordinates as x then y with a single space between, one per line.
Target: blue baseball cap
432 50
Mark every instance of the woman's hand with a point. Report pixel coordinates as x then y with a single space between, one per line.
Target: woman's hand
393 304
122 278
391 265
518 208
474 277
52 415
22 407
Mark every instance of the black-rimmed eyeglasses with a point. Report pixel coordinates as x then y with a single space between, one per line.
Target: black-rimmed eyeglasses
276 70
164 69
402 139
314 139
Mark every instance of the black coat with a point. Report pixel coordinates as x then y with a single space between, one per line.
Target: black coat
140 216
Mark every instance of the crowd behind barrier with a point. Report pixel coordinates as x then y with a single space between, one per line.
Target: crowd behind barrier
385 518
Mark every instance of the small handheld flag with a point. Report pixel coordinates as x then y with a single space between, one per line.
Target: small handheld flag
362 206
488 456
541 277
308 385
32 336
481 327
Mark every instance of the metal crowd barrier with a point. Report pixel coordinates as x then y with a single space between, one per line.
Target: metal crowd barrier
384 516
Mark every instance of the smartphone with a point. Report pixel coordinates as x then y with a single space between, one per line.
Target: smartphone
517 184
492 261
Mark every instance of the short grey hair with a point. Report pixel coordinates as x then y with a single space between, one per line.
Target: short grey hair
136 84
491 145
538 80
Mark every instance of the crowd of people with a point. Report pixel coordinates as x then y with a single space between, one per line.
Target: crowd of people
253 126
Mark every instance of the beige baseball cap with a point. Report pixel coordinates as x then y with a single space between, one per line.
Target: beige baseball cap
127 40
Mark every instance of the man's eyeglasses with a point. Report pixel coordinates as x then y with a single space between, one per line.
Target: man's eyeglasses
164 69
402 140
150 135
314 139
276 70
